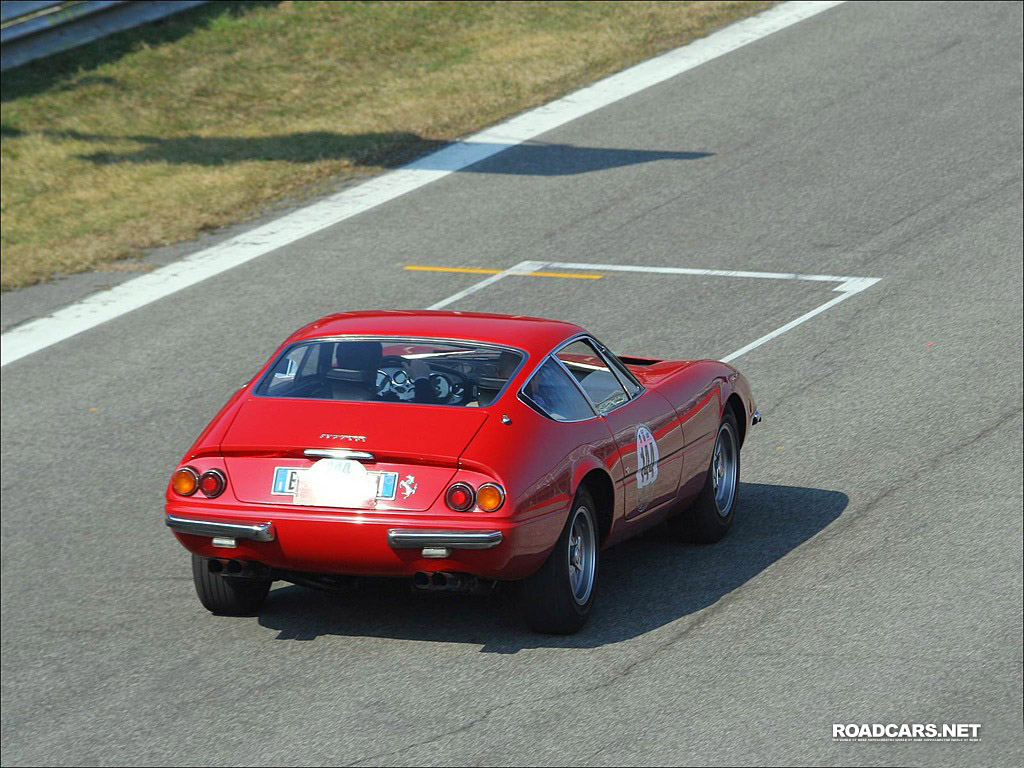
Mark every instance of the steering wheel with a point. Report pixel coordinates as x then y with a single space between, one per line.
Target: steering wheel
392 378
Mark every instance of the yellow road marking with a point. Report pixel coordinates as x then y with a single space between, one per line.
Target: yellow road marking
467 270
478 271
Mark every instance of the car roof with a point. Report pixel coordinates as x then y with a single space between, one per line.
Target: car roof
535 335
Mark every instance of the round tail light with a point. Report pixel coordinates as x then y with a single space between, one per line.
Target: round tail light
185 481
212 483
490 497
460 497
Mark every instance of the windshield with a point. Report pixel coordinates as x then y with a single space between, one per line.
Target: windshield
397 370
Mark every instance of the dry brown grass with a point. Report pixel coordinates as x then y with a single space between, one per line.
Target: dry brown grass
158 134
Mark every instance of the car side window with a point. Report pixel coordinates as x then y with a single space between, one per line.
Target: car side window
553 393
593 374
625 376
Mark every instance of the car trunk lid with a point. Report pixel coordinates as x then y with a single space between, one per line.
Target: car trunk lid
414 449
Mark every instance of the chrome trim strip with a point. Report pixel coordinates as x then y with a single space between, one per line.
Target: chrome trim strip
252 531
338 453
408 338
401 538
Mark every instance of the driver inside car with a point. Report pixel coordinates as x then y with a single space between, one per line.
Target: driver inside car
419 374
352 374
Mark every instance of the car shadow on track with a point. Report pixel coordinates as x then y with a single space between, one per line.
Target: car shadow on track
387 150
645 584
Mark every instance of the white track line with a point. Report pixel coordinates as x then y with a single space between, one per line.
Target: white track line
847 285
99 308
523 267
708 272
789 326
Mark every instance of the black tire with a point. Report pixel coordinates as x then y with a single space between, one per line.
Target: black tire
227 595
704 522
550 600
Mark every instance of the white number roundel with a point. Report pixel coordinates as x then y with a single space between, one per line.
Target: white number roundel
646 457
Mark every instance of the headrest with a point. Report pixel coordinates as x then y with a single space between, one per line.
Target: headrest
507 362
358 355
490 382
356 362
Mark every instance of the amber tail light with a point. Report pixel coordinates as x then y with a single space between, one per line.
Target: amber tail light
185 481
490 497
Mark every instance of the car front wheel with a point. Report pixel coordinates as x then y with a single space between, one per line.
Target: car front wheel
557 598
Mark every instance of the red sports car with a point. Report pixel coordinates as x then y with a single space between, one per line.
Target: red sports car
458 450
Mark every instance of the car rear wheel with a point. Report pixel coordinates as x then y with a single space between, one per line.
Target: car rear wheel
712 513
227 595
557 598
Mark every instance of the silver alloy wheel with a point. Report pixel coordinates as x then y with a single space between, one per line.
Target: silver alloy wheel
582 553
724 471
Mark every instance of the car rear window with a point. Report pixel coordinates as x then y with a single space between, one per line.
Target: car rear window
398 370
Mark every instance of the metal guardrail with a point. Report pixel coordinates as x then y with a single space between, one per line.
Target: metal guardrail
33 29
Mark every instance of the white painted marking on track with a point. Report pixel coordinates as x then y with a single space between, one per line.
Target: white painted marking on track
788 326
857 284
99 308
520 268
704 272
848 286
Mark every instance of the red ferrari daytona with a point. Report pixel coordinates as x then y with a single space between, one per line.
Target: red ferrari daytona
458 450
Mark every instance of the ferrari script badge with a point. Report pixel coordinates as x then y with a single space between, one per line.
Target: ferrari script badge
350 438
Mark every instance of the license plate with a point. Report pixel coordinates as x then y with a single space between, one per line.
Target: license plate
286 480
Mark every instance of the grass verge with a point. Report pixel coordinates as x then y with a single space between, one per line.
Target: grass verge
157 134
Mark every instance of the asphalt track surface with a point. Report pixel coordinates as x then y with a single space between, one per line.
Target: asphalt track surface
874 573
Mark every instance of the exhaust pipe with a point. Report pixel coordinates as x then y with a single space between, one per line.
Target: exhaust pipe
453 582
242 569
444 581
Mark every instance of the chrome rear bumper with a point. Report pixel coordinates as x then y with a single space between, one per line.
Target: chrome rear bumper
399 538
253 531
